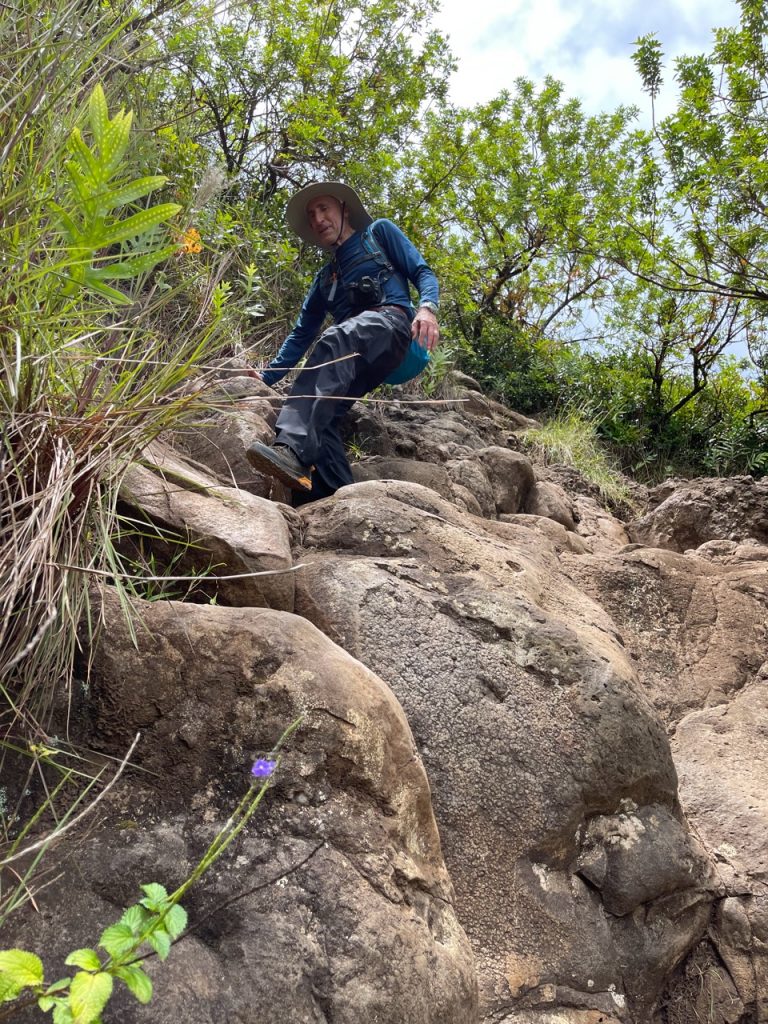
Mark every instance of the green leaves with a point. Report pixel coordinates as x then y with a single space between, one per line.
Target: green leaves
137 981
648 58
155 896
18 970
176 921
117 940
88 223
136 918
88 959
88 995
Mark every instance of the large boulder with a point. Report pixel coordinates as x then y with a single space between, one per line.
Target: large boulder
540 747
238 544
425 473
511 476
695 626
695 511
600 530
220 442
334 903
470 475
549 499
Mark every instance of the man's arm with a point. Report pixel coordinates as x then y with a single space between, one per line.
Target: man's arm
306 329
409 261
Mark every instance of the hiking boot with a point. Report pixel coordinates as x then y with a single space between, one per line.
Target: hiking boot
281 462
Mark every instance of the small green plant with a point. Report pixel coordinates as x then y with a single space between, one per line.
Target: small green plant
91 225
356 448
440 364
150 926
571 438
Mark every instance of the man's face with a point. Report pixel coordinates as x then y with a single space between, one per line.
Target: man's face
326 221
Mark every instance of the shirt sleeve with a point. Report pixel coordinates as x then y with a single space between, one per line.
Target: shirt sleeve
408 260
306 329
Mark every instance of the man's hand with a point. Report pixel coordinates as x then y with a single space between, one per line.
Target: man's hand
425 328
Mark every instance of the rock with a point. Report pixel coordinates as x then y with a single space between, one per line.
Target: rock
722 757
530 721
462 380
473 403
550 500
729 552
694 627
511 476
561 539
230 532
466 500
425 473
471 475
334 903
220 443
735 508
601 531
639 855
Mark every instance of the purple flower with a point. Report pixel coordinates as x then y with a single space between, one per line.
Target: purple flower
263 768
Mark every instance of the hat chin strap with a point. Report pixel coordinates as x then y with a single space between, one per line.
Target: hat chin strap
341 229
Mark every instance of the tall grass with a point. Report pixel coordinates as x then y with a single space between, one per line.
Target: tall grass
89 373
571 438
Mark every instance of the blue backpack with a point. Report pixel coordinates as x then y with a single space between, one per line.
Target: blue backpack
417 357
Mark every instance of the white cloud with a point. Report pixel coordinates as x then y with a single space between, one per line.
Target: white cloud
587 46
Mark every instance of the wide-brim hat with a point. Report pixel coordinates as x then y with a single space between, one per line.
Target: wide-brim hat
296 210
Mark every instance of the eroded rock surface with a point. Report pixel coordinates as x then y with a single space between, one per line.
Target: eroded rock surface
532 726
692 512
232 536
335 903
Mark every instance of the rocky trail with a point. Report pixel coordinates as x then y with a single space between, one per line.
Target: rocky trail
531 785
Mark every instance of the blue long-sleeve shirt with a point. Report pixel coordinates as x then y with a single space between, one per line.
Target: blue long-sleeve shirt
352 261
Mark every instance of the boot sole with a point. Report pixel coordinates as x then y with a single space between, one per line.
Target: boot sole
264 461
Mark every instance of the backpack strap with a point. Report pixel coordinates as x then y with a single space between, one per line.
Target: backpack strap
330 274
370 241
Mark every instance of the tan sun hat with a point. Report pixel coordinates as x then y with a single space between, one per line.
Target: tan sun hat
296 210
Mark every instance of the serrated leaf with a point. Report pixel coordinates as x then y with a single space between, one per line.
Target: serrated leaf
137 981
88 995
160 941
8 989
175 921
21 968
88 959
62 1013
136 918
46 1003
58 986
137 224
117 939
98 113
155 892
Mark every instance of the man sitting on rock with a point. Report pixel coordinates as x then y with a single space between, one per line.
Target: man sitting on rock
364 287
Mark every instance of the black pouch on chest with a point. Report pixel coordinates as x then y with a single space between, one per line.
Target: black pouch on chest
365 291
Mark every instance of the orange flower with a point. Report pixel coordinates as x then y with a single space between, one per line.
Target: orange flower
190 241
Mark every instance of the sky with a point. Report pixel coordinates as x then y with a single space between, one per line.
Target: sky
586 45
